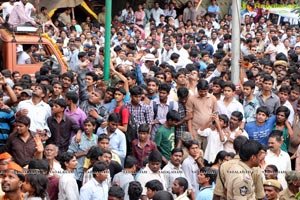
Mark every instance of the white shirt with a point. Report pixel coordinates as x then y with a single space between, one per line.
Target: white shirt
93 190
38 115
228 146
24 58
68 189
282 162
234 105
156 14
214 144
7 8
171 173
148 175
292 112
28 9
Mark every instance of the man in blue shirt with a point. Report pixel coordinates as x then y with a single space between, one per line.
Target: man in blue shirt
206 178
205 46
260 129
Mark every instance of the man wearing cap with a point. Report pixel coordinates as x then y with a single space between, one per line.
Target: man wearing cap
12 181
26 94
272 188
149 60
293 180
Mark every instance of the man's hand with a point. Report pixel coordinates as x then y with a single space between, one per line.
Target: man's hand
38 143
93 113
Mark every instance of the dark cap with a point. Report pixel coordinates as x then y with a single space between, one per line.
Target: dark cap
87 45
275 38
59 40
78 39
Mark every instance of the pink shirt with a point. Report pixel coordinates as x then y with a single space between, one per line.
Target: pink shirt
139 17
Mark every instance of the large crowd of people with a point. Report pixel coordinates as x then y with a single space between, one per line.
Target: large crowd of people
169 124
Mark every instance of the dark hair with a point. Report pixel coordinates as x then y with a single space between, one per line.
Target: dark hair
285 88
191 143
102 137
65 157
91 120
153 80
121 90
116 191
182 182
176 150
130 161
173 115
268 77
144 128
238 115
163 195
94 153
135 190
277 134
155 156
73 96
202 85
136 90
154 185
93 75
113 117
39 164
23 120
230 85
224 118
285 110
263 109
250 148
209 173
61 102
238 142
69 75
98 167
182 92
250 84
39 183
164 87
221 155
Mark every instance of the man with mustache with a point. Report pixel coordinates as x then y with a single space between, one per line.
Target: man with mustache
277 157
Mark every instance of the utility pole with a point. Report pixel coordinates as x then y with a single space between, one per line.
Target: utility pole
235 67
108 8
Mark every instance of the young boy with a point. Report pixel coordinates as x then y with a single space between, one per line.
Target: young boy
215 136
119 95
181 127
80 150
283 94
260 129
165 137
250 103
229 103
142 146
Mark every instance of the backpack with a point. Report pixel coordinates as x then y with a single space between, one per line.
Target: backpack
132 129
155 107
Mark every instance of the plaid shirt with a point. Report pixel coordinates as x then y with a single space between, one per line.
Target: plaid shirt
142 113
179 130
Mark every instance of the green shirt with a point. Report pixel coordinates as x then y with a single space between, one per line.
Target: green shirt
165 140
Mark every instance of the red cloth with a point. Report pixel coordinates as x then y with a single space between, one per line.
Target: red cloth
125 114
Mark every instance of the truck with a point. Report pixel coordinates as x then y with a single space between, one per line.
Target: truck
13 42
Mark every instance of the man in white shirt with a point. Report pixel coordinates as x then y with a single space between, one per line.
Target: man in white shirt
156 12
97 187
275 156
173 169
7 7
274 48
151 172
